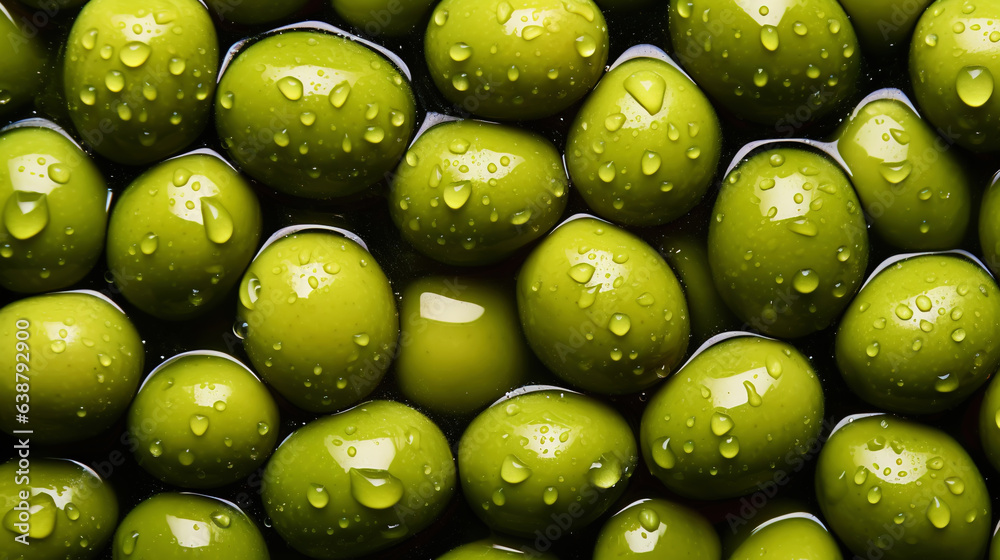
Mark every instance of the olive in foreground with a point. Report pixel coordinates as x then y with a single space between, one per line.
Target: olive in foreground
251 12
922 335
358 482
543 456
795 535
989 423
54 211
141 91
24 65
602 309
740 414
787 243
902 491
989 225
181 236
516 60
654 527
318 319
60 509
383 17
181 526
489 549
472 193
688 257
314 115
644 147
76 355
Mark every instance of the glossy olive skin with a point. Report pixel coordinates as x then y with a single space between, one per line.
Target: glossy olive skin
789 538
989 225
180 526
202 421
989 423
181 235
69 511
782 65
309 135
688 257
472 193
655 528
83 359
738 415
321 321
252 12
25 65
516 59
140 91
383 17
461 346
935 504
922 336
570 460
788 244
602 309
627 169
884 26
54 208
487 549
914 188
358 482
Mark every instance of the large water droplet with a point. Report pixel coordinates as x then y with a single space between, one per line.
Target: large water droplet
648 89
805 281
504 11
620 324
134 54
460 52
114 81
895 173
974 85
339 94
582 272
729 447
938 513
803 226
586 45
375 488
550 495
217 220
874 495
513 471
753 398
457 194
199 424
318 496
651 162
26 214
721 424
606 472
221 519
662 455
149 243
769 37
291 88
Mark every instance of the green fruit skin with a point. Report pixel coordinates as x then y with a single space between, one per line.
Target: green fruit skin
744 59
884 26
489 550
25 67
621 161
461 346
516 59
688 257
73 515
322 348
790 538
956 93
150 97
657 528
182 526
383 17
922 336
63 228
202 422
281 122
571 458
471 193
194 210
791 274
602 309
917 192
989 423
745 408
322 477
252 12
989 226
84 362
935 476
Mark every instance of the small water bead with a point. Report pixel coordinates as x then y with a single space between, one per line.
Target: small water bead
769 37
805 281
263 428
134 54
460 52
904 312
550 495
729 447
975 85
721 424
958 335
662 455
606 472
651 162
186 458
72 512
872 350
149 243
317 496
156 448
114 81
860 475
874 495
586 45
199 424
620 324
938 513
955 485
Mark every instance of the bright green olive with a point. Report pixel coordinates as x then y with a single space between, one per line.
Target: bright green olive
644 147
383 17
688 257
789 537
740 415
24 67
490 549
545 458
897 490
884 26
989 225
251 12
54 211
359 482
922 335
602 309
472 193
989 423
657 528
76 355
788 244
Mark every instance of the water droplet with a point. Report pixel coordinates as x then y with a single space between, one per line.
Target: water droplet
221 519
460 82
760 77
874 495
895 173
651 162
520 218
115 81
620 324
186 458
263 428
955 485
694 152
721 423
339 94
614 122
860 475
26 214
904 312
375 488
362 339
648 89
586 45
872 350
291 88
729 447
974 85
513 471
217 220
532 32
582 272
805 281
318 496
803 226
460 52
504 11
176 66
199 424
59 173
149 243
156 448
550 495
457 194
606 472
134 54
89 39
938 513
769 37
946 383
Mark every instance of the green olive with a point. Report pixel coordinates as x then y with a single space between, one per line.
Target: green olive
789 537
989 423
989 225
657 528
252 12
490 549
384 17
688 257
25 65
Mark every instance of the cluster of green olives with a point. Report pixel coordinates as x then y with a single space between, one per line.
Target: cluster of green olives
498 279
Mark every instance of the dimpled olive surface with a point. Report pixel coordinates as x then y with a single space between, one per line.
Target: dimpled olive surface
657 529
989 225
183 526
320 320
922 336
740 414
900 490
789 537
202 421
251 12
70 513
314 115
913 186
989 423
472 193
181 236
360 481
24 66
488 550
54 211
545 458
384 17
644 147
884 26
779 64
602 309
83 359
787 243
139 76
688 257
516 59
